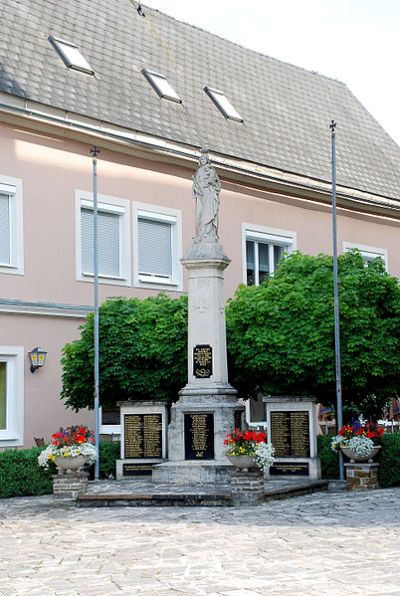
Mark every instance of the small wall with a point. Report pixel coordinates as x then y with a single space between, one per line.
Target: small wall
143 437
292 430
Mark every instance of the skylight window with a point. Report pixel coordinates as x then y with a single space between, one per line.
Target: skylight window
161 86
71 55
223 104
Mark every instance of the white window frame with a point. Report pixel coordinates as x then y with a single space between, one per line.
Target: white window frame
371 252
13 435
278 237
108 429
155 78
13 187
60 46
167 215
226 108
108 204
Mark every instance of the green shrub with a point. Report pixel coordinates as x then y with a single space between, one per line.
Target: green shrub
109 452
20 474
329 459
389 460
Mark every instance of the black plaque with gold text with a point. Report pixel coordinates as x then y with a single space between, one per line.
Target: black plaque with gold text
290 433
202 362
199 435
289 469
137 469
143 436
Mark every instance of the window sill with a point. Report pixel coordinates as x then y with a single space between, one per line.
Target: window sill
11 269
104 279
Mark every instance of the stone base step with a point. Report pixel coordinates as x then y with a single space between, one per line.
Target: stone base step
175 496
159 499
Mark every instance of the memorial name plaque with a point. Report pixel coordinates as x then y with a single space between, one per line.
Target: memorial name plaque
137 470
202 362
290 433
143 436
199 436
289 469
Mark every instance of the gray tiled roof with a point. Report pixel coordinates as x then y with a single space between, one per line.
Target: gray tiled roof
286 110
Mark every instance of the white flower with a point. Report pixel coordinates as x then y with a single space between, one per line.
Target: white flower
264 454
51 452
361 445
338 441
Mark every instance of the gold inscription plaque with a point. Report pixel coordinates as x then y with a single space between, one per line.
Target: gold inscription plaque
143 436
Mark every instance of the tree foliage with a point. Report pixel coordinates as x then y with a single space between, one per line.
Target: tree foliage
143 351
281 333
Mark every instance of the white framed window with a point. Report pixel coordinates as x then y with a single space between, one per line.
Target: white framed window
223 104
11 396
114 243
71 55
368 253
161 85
11 226
158 246
262 250
110 421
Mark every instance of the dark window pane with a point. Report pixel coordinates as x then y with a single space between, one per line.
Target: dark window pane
250 262
110 416
263 261
278 252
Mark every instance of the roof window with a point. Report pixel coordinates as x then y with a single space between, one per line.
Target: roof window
161 86
223 104
71 55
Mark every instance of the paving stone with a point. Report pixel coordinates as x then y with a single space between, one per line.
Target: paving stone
322 543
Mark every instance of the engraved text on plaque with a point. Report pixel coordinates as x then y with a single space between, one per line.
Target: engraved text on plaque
143 436
202 362
199 436
290 433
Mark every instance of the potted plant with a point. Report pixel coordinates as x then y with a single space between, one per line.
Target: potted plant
359 441
70 449
249 449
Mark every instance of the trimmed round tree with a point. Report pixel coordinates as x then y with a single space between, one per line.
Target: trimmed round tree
281 333
143 353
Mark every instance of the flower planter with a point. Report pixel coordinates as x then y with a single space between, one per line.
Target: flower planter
65 464
355 457
243 461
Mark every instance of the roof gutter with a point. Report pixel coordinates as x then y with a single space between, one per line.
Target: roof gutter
154 148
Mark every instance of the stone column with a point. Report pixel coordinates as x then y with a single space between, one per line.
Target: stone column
207 400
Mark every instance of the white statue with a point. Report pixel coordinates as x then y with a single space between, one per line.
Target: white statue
206 189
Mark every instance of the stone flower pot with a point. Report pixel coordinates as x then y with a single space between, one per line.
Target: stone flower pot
355 457
70 464
243 461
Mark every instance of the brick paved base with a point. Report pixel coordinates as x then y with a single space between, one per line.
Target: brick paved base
247 486
361 476
70 485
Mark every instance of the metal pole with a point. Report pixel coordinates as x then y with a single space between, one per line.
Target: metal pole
94 152
339 405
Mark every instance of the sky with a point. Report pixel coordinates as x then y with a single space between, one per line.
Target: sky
354 41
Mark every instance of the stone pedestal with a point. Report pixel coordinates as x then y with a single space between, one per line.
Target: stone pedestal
70 485
361 476
247 486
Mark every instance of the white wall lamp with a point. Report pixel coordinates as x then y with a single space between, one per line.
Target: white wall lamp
37 357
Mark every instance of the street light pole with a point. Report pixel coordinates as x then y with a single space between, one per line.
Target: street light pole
94 152
339 405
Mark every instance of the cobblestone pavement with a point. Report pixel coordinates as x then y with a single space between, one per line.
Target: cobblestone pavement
323 543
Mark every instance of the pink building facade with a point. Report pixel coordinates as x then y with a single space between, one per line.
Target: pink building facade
146 215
